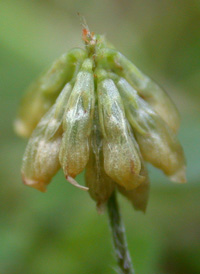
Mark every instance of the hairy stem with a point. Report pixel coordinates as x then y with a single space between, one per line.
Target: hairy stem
119 237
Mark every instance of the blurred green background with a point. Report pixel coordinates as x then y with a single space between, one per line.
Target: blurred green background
60 231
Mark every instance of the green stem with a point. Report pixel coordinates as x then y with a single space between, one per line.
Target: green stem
119 237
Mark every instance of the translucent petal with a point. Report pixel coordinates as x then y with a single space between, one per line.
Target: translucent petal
158 144
42 94
121 160
41 161
100 185
146 87
77 123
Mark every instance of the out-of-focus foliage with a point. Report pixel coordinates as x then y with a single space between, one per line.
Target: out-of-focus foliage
60 231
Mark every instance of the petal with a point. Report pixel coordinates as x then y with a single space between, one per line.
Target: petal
148 89
42 94
100 185
121 160
158 144
41 161
77 123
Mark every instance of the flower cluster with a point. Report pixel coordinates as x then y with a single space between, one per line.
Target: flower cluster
95 110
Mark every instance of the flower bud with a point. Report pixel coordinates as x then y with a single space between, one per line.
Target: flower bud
157 142
41 161
100 185
42 94
121 160
77 123
147 88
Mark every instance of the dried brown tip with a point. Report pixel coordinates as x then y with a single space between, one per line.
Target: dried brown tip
39 185
75 183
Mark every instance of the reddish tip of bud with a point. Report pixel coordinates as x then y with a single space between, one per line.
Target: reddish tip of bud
39 185
179 176
85 33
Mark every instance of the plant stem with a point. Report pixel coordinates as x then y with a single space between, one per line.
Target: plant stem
119 237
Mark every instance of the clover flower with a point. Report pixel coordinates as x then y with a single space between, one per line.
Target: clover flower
95 110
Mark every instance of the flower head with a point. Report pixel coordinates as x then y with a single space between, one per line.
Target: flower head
95 110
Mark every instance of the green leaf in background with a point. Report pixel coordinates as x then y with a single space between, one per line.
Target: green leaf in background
60 232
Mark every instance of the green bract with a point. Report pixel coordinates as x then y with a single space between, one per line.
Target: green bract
94 109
